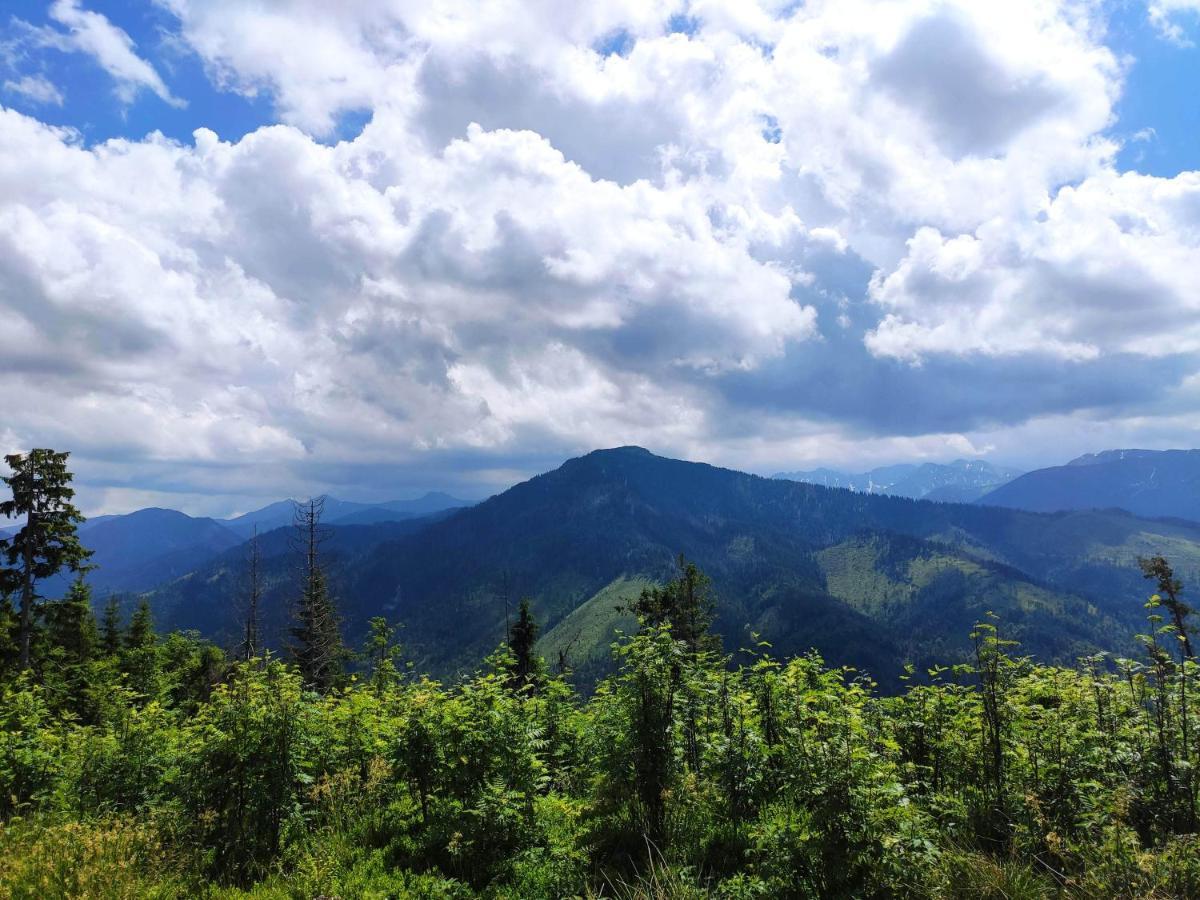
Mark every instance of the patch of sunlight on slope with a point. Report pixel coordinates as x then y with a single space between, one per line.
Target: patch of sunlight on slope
866 574
585 635
1184 554
924 570
874 577
852 575
962 540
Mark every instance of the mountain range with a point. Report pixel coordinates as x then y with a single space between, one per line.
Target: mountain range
869 580
1146 482
345 512
958 482
141 550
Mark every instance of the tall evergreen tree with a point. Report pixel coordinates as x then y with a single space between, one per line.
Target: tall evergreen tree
521 642
141 628
253 598
48 541
71 625
71 642
140 657
317 646
110 628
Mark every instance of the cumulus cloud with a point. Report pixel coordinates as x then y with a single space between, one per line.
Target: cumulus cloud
763 234
1107 268
265 301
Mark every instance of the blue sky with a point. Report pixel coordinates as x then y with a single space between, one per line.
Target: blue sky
1160 95
448 247
90 102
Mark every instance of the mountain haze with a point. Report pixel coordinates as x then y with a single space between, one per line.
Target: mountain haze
1145 482
958 482
279 514
137 551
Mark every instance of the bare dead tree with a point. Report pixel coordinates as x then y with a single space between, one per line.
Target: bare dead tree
564 655
317 646
250 646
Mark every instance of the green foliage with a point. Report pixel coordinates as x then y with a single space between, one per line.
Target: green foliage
32 746
71 647
686 605
110 629
109 859
382 653
682 776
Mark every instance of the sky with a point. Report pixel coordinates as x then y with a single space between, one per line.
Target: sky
277 248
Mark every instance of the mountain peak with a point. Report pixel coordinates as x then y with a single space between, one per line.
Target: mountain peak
627 450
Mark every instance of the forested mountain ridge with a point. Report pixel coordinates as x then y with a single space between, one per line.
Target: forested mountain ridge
142 549
1145 482
279 514
869 580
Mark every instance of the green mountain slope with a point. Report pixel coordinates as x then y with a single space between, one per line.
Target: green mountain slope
582 640
868 580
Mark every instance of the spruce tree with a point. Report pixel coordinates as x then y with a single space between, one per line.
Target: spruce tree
110 628
524 635
140 657
317 646
71 626
141 628
70 646
48 541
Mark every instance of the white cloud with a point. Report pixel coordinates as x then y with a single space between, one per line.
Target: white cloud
92 33
266 302
1166 14
36 88
1109 267
536 247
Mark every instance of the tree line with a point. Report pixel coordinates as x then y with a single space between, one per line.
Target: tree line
139 765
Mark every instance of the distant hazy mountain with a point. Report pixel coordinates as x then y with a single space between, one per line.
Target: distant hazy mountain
137 551
151 547
869 580
211 598
346 512
961 481
1146 482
